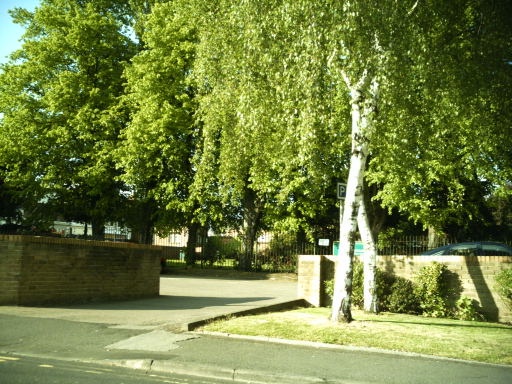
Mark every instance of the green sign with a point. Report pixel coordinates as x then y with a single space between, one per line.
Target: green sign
358 248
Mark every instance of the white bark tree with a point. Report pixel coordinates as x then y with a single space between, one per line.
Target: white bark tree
369 260
363 101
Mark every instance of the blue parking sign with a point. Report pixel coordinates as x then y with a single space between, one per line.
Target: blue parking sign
342 190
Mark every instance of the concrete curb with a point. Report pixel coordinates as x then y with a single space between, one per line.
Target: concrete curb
253 311
213 372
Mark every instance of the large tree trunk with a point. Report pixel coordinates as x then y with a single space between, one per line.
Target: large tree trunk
247 256
140 215
377 215
341 305
251 216
435 238
190 252
369 260
361 118
143 234
98 228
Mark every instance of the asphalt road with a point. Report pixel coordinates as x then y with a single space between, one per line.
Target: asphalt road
222 358
24 369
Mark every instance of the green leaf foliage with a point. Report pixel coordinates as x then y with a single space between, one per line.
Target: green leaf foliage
447 102
159 140
56 93
237 114
504 285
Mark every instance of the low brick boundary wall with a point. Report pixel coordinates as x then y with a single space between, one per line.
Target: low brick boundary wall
55 271
477 275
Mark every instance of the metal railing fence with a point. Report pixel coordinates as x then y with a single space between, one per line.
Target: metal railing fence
272 253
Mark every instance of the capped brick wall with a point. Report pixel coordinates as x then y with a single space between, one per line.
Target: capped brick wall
476 273
54 271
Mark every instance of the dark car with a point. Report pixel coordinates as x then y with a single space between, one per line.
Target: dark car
475 248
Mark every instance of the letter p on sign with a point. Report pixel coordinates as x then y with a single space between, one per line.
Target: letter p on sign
342 190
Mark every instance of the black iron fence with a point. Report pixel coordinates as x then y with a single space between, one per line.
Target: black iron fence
410 245
279 253
271 253
72 230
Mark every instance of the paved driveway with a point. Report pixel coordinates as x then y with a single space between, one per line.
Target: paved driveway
183 300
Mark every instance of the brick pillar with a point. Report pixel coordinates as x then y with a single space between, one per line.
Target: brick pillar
309 280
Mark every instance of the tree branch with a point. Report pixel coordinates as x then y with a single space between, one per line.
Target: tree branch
413 8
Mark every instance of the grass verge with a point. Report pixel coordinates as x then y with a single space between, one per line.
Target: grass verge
468 340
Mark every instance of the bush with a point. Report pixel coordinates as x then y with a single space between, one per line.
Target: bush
467 309
402 298
432 289
357 297
435 293
219 248
279 255
357 285
504 285
395 294
384 284
329 287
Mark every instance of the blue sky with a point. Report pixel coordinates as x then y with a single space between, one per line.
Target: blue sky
11 33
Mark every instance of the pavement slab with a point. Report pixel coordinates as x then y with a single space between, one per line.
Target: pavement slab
157 340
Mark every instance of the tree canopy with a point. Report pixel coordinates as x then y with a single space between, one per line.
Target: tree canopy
451 120
241 114
56 95
159 141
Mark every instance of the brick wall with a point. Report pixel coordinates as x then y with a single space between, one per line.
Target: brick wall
476 276
10 270
55 271
309 279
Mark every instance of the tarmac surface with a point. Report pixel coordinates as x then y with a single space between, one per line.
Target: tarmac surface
184 300
153 335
